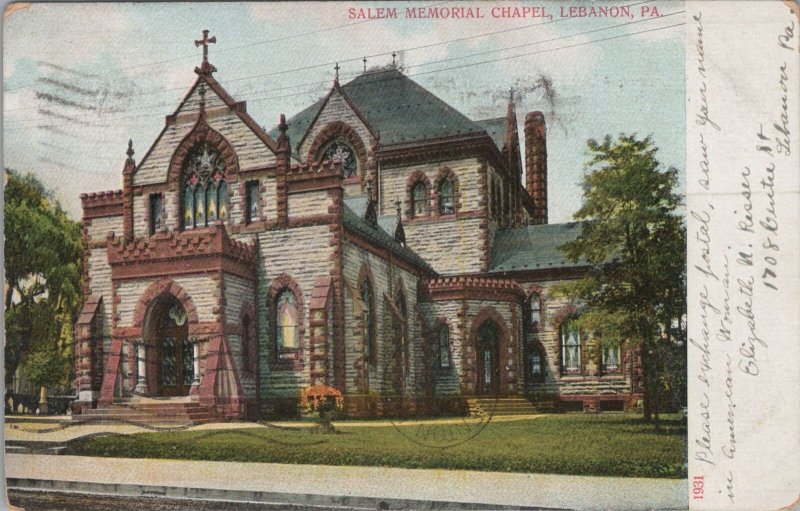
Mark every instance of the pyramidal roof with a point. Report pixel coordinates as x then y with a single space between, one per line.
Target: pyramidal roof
397 108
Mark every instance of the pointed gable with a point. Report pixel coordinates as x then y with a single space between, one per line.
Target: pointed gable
253 147
390 106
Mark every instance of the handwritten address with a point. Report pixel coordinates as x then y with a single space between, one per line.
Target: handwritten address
734 274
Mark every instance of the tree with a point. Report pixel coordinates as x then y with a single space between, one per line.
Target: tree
43 258
635 241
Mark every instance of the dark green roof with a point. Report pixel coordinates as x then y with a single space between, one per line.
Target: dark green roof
496 128
534 247
397 108
358 224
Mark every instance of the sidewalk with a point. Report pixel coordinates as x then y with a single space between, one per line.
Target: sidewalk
335 484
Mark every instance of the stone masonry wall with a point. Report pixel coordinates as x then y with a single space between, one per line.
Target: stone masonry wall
385 279
548 336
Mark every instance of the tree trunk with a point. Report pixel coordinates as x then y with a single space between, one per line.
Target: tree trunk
647 405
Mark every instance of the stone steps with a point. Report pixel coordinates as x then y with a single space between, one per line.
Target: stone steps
150 413
507 406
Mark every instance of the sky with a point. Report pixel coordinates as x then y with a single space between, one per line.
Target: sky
82 79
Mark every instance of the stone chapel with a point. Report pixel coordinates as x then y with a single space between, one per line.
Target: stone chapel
378 242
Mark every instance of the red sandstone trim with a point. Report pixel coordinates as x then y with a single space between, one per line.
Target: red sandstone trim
158 288
289 359
503 343
202 132
418 176
334 130
464 287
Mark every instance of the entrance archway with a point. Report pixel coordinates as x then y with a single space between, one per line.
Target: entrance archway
168 340
488 363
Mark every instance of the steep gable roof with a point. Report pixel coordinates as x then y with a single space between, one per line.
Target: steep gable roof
396 107
151 166
533 247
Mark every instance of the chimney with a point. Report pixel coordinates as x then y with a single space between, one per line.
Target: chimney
536 164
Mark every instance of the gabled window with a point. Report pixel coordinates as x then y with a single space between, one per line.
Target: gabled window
205 192
447 204
156 213
570 347
443 337
287 322
419 199
252 204
368 320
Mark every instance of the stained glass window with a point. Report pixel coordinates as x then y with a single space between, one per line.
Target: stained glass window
446 198
222 201
368 319
199 207
287 320
419 196
156 213
205 196
570 347
444 346
188 207
611 358
341 151
253 206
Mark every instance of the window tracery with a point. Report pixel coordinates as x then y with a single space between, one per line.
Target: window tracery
341 151
205 193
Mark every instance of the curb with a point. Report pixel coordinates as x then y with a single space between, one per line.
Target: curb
241 496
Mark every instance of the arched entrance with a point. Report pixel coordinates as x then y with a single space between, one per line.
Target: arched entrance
168 340
488 354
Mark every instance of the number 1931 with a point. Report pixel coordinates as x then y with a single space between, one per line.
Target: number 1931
697 487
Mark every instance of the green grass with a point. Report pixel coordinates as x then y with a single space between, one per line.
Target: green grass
609 445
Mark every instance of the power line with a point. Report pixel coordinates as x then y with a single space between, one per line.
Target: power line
160 105
353 59
253 100
223 50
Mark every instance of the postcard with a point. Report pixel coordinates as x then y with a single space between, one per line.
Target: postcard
401 255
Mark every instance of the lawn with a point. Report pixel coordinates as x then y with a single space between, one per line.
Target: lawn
607 444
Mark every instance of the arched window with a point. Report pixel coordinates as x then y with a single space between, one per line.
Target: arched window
249 355
535 310
287 322
443 338
570 347
447 203
341 151
368 320
205 193
419 199
610 358
401 304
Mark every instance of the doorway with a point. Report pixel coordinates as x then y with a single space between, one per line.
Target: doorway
173 350
488 353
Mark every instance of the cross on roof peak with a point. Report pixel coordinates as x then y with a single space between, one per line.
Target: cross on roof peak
206 67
